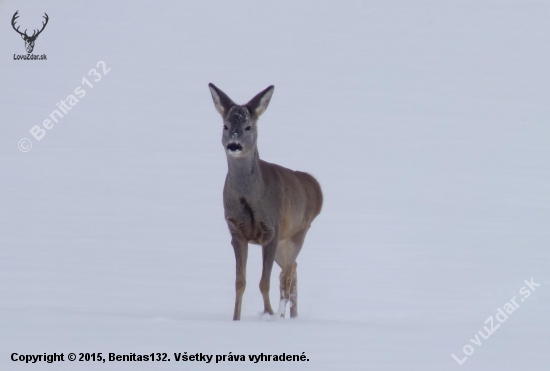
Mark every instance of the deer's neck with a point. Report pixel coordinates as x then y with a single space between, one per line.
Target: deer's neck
243 173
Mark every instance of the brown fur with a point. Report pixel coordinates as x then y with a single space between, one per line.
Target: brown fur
265 204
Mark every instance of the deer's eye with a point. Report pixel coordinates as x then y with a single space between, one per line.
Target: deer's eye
225 127
247 128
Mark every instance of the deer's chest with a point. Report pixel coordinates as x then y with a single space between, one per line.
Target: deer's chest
246 217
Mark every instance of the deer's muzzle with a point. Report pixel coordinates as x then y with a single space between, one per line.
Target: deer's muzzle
234 147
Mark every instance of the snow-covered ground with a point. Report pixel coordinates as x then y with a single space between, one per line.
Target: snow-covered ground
427 124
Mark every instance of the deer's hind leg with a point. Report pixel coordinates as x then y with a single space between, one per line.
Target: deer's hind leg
294 292
287 252
288 289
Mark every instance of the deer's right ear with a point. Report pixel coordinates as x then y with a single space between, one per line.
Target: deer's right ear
222 102
259 103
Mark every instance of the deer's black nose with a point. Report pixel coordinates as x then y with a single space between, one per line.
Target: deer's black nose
234 147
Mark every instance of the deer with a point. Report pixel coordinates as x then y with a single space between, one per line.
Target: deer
264 204
29 40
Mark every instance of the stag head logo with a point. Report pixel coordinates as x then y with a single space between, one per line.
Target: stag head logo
29 40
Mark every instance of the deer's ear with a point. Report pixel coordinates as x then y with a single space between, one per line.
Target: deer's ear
222 102
259 103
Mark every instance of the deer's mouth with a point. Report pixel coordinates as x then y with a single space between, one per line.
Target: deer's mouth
234 148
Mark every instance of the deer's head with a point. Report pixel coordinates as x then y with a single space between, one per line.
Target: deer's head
239 122
29 40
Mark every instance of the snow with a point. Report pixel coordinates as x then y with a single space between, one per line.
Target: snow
426 124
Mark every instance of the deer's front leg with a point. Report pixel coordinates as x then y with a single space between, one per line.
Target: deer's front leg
240 246
269 247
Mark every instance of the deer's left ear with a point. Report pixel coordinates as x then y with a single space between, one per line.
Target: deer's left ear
259 103
222 102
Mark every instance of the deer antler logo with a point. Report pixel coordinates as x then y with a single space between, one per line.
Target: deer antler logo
29 40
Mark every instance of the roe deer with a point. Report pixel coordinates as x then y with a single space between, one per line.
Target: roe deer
264 204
